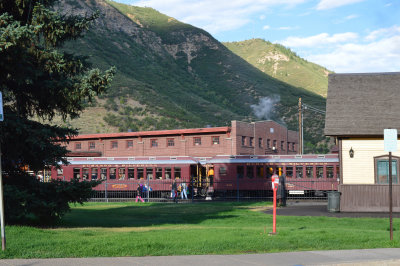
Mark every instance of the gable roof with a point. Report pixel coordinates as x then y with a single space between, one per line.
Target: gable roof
362 104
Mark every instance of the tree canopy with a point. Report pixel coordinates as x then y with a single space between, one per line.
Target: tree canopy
39 80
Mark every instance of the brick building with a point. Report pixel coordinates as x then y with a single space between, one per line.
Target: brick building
241 138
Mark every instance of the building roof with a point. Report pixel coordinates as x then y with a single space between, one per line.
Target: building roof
362 104
155 133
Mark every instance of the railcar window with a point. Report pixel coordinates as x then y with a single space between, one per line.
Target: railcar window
320 171
131 173
103 173
329 171
167 172
260 171
85 173
140 173
289 171
299 171
60 171
250 171
240 171
149 173
222 170
270 171
95 173
177 172
113 173
158 173
309 171
77 173
121 173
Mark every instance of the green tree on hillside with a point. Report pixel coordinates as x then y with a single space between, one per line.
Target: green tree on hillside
39 80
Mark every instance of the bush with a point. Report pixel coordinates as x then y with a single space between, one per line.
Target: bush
29 201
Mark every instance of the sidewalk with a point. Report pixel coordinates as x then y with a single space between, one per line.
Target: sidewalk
370 257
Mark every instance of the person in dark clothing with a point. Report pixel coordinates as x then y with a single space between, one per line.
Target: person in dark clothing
282 191
174 191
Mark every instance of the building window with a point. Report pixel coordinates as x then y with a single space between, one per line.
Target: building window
215 140
271 130
170 142
293 146
274 145
282 145
129 144
260 144
268 143
243 140
114 144
153 143
78 146
382 170
92 145
251 141
197 141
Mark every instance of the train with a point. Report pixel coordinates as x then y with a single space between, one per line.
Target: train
218 176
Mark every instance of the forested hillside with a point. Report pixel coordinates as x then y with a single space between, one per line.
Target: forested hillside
173 75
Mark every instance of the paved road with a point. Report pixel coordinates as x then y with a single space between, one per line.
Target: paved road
369 257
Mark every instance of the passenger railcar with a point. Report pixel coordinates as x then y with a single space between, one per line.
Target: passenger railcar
219 175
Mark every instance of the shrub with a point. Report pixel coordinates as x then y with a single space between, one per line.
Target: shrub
29 201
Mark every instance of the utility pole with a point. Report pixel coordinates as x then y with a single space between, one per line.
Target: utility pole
300 127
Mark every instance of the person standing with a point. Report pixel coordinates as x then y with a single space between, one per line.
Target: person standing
139 191
174 191
183 190
282 190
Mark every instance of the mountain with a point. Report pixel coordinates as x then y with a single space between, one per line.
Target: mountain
283 64
173 75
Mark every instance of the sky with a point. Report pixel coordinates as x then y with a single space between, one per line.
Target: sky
345 36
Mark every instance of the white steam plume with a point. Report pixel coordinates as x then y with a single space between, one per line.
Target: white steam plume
264 109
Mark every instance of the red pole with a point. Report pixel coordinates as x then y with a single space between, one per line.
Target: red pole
274 214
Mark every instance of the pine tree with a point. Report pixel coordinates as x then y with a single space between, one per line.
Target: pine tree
39 80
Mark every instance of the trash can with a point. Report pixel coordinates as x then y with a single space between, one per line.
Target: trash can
334 201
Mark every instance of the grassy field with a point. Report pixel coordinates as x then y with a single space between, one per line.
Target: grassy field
151 229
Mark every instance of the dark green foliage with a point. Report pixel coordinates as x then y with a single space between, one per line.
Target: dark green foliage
27 200
39 80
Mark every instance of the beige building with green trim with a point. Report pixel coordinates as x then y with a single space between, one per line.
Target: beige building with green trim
359 108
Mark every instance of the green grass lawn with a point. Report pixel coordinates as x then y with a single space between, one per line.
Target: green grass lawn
152 229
